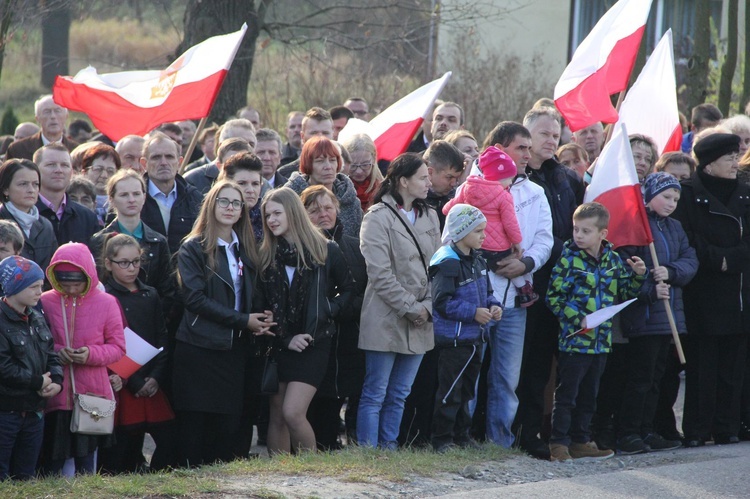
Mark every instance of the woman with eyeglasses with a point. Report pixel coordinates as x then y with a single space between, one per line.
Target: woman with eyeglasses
216 270
99 164
363 170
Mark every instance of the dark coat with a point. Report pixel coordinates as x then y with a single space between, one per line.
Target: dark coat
716 302
203 177
143 312
25 148
182 216
78 223
288 168
27 351
648 315
41 243
437 202
279 180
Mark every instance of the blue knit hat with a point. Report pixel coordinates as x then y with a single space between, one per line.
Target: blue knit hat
659 182
17 273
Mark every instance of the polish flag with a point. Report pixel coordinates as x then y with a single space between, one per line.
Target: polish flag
393 129
615 185
601 65
138 352
136 102
650 107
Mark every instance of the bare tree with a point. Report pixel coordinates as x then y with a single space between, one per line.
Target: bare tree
746 68
730 59
697 73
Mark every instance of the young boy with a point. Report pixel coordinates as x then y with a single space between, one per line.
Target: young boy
588 276
11 241
30 370
462 306
645 322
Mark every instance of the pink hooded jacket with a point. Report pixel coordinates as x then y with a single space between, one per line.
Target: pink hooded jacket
94 321
496 203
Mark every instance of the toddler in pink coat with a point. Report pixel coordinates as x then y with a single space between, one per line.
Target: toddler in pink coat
490 194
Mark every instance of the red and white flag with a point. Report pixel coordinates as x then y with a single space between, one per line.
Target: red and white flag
135 102
601 65
138 352
393 129
650 107
615 185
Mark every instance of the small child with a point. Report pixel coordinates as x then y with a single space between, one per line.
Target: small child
589 276
490 194
30 371
462 306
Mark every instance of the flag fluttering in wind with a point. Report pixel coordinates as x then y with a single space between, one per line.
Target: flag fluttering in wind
601 65
138 353
615 185
135 102
650 107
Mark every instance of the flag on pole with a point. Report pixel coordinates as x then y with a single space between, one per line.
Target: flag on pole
615 185
601 65
135 102
393 129
138 352
650 107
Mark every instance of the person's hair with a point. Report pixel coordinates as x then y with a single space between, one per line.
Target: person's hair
452 104
52 146
505 133
268 135
315 148
340 112
673 158
301 232
8 170
77 125
442 154
595 211
124 174
346 159
317 114
113 243
576 149
233 124
11 233
234 145
737 124
454 136
169 127
544 102
703 113
128 138
155 137
205 229
100 151
246 161
363 143
355 99
403 166
312 194
535 113
81 183
39 101
246 108
293 114
648 142
208 132
76 155
5 141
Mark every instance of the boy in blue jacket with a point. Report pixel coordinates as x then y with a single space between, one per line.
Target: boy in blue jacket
589 276
462 307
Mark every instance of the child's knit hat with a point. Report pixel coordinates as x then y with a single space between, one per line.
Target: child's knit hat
461 220
658 182
496 165
17 273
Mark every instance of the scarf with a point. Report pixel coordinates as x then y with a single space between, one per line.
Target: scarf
256 221
363 196
722 188
25 220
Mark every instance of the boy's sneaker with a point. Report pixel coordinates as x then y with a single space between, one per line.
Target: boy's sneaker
526 295
589 452
559 453
656 442
631 444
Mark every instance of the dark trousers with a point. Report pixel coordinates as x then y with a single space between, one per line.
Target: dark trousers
458 370
416 422
665 422
539 348
575 396
20 443
713 385
324 415
205 438
646 361
609 400
745 402
126 456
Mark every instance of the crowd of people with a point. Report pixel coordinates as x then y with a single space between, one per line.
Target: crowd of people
310 296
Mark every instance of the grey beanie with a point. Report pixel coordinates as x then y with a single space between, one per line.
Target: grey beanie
462 219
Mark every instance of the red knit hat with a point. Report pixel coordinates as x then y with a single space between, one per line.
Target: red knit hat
496 165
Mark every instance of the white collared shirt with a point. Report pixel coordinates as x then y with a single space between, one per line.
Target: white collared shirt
235 267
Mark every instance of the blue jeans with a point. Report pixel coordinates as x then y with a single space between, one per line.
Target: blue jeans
388 380
506 350
20 443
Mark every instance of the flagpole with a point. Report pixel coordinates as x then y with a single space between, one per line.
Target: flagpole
670 316
193 142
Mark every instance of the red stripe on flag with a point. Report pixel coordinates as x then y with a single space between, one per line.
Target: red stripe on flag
675 140
589 102
396 139
628 222
116 117
125 367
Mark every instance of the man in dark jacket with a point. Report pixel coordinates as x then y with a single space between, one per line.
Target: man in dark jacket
72 222
51 118
445 164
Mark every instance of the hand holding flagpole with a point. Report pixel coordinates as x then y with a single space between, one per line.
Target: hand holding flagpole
668 307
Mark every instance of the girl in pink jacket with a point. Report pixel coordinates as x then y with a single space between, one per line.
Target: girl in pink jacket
490 194
94 326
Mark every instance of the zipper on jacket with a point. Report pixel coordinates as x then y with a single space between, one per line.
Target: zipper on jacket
194 320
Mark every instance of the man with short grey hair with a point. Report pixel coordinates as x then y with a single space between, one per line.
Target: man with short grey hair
51 117
130 148
268 150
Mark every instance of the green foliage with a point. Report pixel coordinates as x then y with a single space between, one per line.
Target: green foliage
9 122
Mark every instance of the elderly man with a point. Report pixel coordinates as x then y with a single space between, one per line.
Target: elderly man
129 148
25 129
51 119
268 150
293 145
590 138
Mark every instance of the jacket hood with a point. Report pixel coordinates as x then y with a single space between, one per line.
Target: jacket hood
79 255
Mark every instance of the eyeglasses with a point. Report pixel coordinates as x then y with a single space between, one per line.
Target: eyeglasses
363 166
124 264
225 203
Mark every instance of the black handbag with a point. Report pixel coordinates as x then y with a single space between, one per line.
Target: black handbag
269 382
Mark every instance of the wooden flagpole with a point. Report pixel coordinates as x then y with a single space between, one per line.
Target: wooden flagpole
193 142
668 307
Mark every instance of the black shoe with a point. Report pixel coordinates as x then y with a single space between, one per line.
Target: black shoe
726 439
672 435
535 448
605 438
657 443
692 443
631 444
